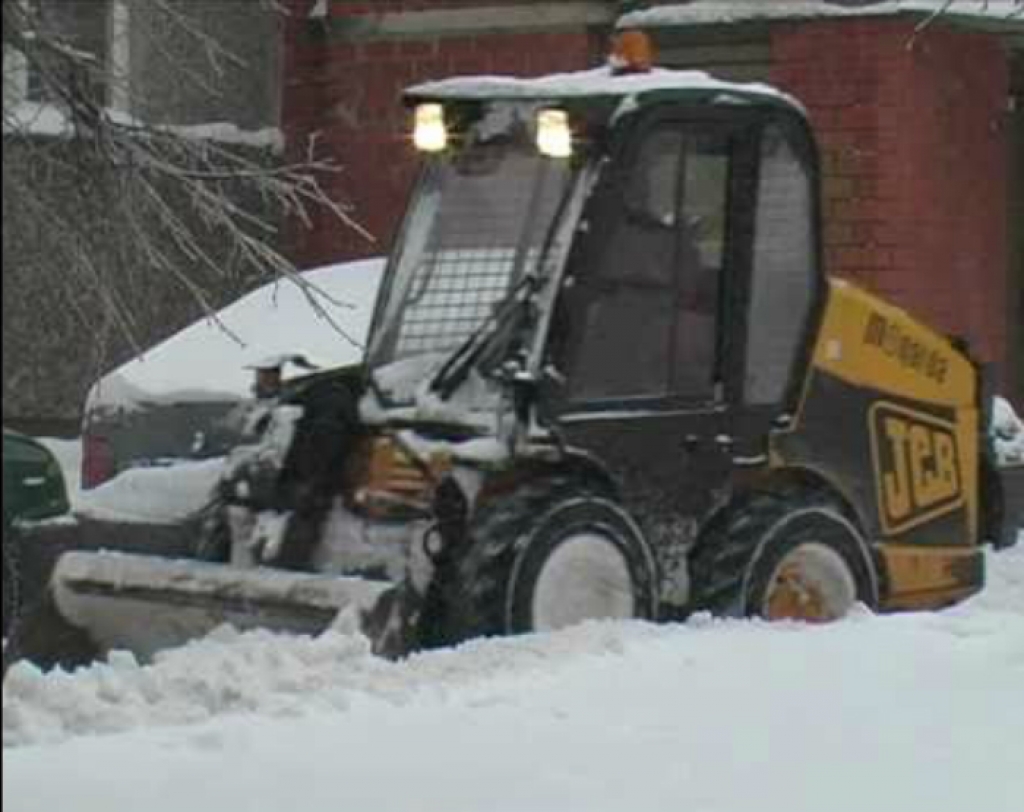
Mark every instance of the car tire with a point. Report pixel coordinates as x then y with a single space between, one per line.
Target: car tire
795 555
552 554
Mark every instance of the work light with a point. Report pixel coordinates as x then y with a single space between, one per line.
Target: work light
430 133
554 136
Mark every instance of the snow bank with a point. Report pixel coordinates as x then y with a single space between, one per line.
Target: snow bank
1008 430
916 713
208 361
152 495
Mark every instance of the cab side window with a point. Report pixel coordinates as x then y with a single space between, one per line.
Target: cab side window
646 305
784 277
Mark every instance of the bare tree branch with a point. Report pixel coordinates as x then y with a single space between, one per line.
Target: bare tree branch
140 198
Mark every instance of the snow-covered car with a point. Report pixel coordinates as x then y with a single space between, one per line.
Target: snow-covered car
1008 444
178 401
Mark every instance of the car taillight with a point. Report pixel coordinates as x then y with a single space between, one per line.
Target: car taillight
97 461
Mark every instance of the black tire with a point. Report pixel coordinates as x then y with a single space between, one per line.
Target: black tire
44 638
737 568
994 526
11 596
488 588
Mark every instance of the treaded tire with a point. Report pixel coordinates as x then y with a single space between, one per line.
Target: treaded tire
733 565
486 589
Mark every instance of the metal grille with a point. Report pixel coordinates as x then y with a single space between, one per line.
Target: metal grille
459 288
483 223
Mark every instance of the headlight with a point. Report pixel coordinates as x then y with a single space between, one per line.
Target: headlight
554 136
430 133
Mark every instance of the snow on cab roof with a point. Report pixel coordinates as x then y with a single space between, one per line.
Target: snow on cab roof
600 83
721 12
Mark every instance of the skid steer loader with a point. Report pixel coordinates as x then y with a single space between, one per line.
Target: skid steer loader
606 378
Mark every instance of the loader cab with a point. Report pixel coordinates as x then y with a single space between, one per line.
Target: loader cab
682 333
640 281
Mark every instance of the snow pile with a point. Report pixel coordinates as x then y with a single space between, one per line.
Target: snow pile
210 360
161 495
916 713
1008 430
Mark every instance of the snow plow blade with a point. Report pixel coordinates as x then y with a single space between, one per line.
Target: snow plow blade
145 604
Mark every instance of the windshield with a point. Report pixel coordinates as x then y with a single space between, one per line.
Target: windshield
480 222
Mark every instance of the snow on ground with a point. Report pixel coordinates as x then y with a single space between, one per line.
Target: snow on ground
910 713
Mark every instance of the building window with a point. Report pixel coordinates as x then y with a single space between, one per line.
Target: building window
96 32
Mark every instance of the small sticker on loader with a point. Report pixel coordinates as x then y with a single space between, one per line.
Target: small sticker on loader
917 466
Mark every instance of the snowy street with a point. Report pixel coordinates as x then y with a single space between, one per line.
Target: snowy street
912 713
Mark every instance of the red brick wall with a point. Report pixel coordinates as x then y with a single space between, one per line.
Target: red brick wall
915 158
349 95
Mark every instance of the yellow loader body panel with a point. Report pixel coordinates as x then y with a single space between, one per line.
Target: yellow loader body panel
889 415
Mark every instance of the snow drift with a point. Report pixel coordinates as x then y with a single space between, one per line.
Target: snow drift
916 713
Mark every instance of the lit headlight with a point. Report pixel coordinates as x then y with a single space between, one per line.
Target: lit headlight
430 133
554 136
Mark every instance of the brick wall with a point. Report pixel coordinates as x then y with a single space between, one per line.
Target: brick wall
915 159
347 89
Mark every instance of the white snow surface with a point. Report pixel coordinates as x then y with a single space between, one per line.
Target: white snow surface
1009 433
911 713
211 360
599 81
50 120
68 454
159 495
714 12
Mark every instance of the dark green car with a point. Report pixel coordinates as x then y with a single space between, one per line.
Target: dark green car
34 490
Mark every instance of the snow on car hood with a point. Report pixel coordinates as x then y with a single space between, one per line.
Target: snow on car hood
209 361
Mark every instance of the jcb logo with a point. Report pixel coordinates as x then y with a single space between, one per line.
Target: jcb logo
917 466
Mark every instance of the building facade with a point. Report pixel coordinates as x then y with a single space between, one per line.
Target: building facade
216 73
920 123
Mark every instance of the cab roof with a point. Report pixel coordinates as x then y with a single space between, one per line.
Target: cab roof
603 86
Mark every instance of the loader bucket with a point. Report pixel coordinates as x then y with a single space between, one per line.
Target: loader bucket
145 604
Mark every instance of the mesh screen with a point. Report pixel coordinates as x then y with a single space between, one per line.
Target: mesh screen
488 224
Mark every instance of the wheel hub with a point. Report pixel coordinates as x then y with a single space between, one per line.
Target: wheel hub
812 583
585 578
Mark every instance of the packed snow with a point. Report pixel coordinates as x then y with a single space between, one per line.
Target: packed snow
211 359
915 712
